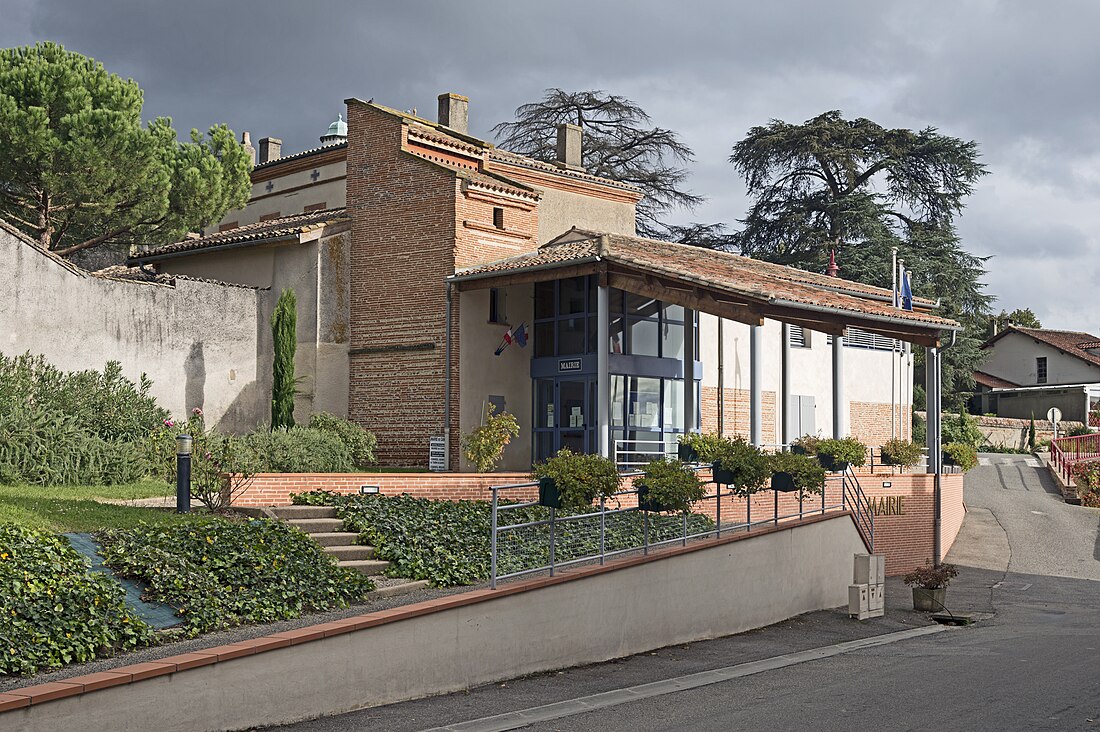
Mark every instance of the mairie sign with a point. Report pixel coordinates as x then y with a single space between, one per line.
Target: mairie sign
886 505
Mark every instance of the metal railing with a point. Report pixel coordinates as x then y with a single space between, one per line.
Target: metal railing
629 454
527 538
1066 452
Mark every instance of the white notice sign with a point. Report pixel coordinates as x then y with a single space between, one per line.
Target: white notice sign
437 454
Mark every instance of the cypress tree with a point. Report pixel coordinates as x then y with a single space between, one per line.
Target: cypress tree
1031 433
284 326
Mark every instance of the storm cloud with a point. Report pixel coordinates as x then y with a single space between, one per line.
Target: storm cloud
1015 76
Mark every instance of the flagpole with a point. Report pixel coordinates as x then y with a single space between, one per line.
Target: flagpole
899 272
893 387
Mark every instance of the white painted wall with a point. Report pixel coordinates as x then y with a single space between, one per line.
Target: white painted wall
561 210
330 188
199 342
1013 356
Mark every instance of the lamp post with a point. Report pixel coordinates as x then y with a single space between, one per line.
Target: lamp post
183 473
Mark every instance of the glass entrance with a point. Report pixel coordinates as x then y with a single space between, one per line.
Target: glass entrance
565 415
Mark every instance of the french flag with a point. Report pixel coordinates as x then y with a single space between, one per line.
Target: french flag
517 335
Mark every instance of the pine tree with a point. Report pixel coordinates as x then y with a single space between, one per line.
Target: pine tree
284 326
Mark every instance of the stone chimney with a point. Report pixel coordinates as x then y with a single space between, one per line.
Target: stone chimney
454 112
569 147
271 148
246 143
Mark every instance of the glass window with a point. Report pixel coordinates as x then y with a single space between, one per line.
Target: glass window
544 300
570 336
641 306
616 297
645 403
616 336
618 400
674 405
1041 369
674 312
672 340
643 337
544 339
593 332
571 296
544 445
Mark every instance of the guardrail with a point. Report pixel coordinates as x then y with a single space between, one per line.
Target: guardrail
527 538
1066 452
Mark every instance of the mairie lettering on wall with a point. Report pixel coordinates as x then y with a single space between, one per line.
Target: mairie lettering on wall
887 505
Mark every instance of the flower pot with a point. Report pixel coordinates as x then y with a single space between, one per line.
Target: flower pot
798 450
783 482
548 493
720 475
687 453
929 600
831 464
948 460
645 503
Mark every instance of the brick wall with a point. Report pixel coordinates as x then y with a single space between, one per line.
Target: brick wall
736 413
905 537
870 422
403 229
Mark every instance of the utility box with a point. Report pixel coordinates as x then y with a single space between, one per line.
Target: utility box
876 599
870 569
859 601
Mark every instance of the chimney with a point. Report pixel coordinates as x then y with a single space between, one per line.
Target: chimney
246 143
569 147
454 112
833 270
270 149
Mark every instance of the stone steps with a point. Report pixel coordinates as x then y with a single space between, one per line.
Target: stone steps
369 567
334 539
288 513
317 525
344 552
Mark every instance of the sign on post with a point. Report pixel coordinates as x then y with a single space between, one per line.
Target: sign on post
1054 416
437 454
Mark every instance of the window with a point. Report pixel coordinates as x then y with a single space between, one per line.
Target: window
1041 370
496 306
498 218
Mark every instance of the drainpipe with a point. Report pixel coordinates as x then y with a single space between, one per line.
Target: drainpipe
722 377
447 380
937 439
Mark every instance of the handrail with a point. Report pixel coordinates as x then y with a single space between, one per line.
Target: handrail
860 507
1066 452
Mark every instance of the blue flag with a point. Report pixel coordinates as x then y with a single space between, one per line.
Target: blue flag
906 292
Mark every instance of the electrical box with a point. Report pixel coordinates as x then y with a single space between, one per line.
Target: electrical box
859 601
876 598
870 569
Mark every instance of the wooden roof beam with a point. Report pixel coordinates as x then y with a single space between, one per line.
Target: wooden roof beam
649 286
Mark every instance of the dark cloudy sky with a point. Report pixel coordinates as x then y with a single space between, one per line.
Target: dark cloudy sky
1018 77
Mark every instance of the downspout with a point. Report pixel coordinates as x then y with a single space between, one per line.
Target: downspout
937 548
722 377
447 380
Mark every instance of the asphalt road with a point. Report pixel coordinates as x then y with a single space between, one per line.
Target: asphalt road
1030 566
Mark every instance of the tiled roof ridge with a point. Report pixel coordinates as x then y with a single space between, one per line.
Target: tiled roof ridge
295 156
527 161
135 275
1030 331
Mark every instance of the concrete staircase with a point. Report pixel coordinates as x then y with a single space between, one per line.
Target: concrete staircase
322 525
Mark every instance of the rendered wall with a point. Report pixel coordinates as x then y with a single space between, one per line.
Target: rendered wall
454 643
1013 356
292 193
199 342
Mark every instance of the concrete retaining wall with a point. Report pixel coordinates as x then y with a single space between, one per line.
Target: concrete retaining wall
583 616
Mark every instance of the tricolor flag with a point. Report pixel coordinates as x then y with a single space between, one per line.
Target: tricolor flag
516 335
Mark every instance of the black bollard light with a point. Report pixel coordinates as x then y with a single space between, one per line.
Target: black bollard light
183 473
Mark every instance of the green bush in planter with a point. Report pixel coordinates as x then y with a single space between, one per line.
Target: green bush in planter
737 463
902 453
801 472
961 454
577 480
702 445
835 453
805 445
669 485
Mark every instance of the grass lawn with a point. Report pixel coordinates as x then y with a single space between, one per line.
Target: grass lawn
71 508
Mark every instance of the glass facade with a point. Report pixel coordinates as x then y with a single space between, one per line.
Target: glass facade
646 345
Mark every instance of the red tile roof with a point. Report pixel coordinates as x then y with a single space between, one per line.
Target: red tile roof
722 271
283 227
1071 342
993 382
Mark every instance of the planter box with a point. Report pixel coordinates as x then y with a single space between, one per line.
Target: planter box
930 601
548 493
798 450
645 503
719 475
831 464
687 453
783 482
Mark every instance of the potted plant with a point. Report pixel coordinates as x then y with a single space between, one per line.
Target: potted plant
929 585
794 472
805 445
900 453
485 445
698 447
572 482
668 485
960 454
836 455
737 463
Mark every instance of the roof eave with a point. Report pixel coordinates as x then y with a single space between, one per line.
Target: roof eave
132 261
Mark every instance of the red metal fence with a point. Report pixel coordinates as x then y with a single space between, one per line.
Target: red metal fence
1065 452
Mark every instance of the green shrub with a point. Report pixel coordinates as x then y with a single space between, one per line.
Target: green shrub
963 429
40 447
485 445
902 453
219 573
299 450
807 443
101 403
1031 433
53 610
965 456
360 443
1078 430
284 324
748 464
670 484
807 473
580 479
1087 477
920 429
846 450
705 445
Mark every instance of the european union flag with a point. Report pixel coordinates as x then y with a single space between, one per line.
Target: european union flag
906 292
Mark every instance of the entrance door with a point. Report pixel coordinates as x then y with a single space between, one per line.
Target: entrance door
565 415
